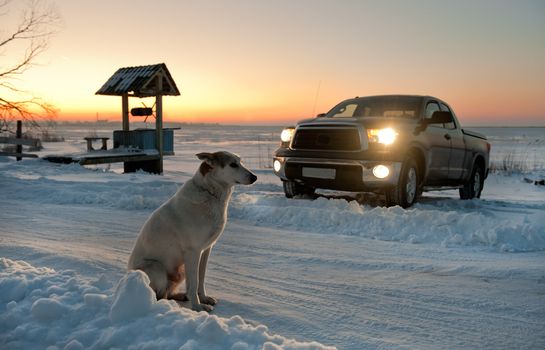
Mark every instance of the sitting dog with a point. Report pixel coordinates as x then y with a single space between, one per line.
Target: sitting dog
176 240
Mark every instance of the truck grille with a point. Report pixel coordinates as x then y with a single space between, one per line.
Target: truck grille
327 138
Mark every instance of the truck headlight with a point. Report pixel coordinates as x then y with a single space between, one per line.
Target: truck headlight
385 136
277 165
287 134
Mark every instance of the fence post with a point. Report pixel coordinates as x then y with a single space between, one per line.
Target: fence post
19 134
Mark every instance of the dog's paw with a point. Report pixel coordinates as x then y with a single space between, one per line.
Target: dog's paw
207 300
203 307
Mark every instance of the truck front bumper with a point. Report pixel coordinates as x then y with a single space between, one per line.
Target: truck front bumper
338 174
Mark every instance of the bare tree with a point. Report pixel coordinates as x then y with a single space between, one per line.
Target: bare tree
28 38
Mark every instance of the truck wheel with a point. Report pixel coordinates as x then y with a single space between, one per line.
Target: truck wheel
406 192
474 186
292 189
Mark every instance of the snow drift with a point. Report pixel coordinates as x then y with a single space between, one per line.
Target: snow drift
450 222
44 308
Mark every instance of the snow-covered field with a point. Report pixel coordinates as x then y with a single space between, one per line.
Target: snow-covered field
294 274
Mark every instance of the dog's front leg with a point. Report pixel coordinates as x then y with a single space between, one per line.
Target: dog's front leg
203 297
192 260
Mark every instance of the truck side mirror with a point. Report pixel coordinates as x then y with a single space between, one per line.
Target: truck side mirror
440 117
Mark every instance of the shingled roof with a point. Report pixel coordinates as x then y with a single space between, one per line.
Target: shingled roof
140 82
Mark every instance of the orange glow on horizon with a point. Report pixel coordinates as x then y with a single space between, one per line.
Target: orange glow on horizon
221 117
468 114
196 107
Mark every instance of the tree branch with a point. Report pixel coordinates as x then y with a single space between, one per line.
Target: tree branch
38 23
33 51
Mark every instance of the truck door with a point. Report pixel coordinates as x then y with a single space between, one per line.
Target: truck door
439 148
457 147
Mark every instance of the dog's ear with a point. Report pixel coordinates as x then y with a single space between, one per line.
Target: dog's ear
209 158
208 162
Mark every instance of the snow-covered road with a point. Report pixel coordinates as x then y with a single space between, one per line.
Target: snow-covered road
439 276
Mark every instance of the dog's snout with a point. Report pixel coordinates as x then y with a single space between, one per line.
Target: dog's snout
253 178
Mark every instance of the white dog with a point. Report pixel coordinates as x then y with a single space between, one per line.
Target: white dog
175 242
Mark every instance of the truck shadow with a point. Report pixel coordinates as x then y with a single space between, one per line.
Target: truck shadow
373 199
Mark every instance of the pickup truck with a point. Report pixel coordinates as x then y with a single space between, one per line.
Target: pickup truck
395 145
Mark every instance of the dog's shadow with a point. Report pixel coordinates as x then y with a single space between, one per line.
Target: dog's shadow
183 304
225 308
228 309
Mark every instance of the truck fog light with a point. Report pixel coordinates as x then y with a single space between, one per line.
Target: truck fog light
381 171
277 165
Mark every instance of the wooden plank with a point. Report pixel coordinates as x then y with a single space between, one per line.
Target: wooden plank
60 159
16 141
18 154
125 111
115 159
159 122
19 135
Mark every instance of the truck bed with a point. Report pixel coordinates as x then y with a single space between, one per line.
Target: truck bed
473 133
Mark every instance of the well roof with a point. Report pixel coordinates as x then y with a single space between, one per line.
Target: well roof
139 81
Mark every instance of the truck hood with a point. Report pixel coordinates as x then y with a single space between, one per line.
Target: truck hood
367 122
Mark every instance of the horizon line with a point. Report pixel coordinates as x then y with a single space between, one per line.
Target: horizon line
261 124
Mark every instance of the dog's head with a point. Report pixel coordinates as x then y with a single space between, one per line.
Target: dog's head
225 167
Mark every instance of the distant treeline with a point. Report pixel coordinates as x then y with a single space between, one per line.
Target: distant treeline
118 123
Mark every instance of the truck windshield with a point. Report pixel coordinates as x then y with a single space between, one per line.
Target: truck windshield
378 106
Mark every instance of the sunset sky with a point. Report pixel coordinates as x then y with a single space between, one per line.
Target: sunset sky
274 62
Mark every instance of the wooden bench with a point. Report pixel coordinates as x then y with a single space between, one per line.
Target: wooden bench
90 140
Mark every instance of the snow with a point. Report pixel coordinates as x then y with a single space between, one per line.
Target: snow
57 310
450 223
289 274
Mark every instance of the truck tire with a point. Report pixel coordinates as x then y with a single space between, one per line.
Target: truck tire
474 186
406 192
292 189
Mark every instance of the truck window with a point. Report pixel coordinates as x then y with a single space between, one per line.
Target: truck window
378 107
430 108
450 125
346 111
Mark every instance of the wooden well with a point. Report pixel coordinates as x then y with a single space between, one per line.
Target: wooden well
142 81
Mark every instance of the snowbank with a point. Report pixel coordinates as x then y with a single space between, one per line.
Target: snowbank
450 222
44 308
73 184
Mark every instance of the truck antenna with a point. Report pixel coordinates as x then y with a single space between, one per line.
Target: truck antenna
316 98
